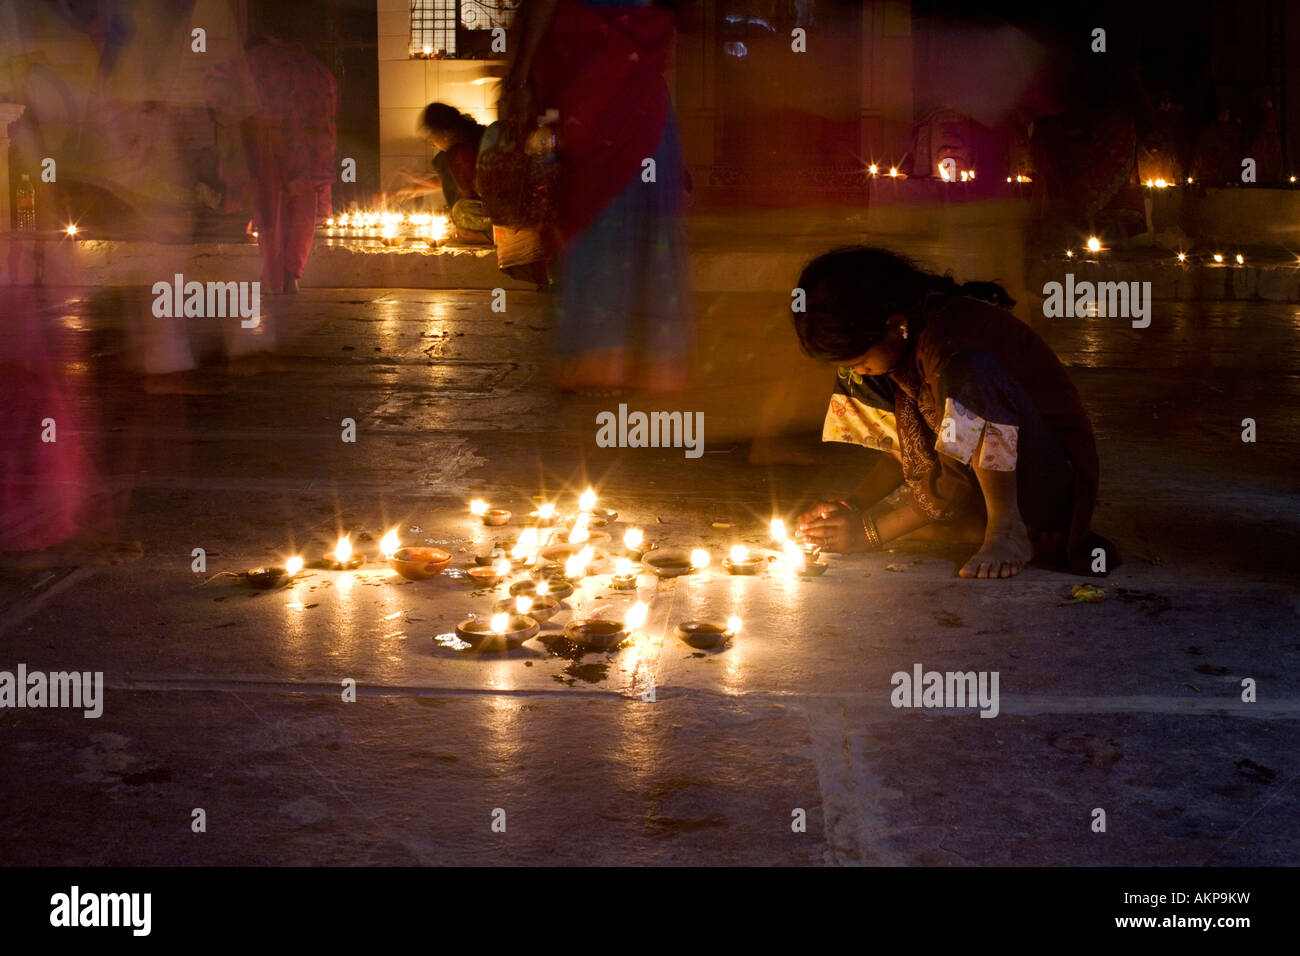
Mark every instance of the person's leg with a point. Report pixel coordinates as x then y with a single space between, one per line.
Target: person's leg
297 226
267 203
1026 478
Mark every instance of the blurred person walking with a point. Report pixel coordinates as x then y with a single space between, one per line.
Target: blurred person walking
624 303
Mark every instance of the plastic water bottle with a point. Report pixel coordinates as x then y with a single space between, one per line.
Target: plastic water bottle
26 205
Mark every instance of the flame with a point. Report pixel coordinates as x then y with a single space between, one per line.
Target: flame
1218 257
636 615
579 534
893 171
478 506
739 553
543 587
699 558
623 567
72 229
546 512
574 568
795 557
778 530
343 550
500 622
502 568
528 544
587 500
733 625
293 565
587 555
633 539
1241 261
389 543
1094 244
943 172
1182 257
873 169
523 604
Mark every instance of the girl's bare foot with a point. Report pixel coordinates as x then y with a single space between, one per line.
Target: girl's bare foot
1003 555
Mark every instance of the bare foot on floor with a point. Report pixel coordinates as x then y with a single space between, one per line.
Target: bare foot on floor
72 554
1003 555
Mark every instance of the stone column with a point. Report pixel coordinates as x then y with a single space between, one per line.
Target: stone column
8 113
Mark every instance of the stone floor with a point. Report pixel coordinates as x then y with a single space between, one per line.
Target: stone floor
228 700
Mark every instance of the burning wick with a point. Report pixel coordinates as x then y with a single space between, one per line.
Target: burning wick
527 545
546 512
733 625
587 500
636 616
502 568
499 623
624 578
633 539
343 550
1094 244
699 559
293 566
574 568
796 559
543 587
579 534
778 530
72 229
739 554
389 544
523 604
478 507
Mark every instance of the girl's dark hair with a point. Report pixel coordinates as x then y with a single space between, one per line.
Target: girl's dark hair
852 291
440 116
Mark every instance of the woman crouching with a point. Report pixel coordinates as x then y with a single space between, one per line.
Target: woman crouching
974 412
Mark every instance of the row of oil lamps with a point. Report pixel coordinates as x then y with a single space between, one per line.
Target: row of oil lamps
392 227
1093 245
558 560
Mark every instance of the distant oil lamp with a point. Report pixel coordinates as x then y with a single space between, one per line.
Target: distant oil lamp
634 542
502 631
624 578
740 561
604 633
389 544
544 516
700 559
1094 244
71 230
587 500
493 517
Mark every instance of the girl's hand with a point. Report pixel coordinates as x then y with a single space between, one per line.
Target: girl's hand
839 531
819 510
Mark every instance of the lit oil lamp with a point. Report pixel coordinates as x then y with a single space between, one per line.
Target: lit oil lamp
634 542
487 577
604 633
579 534
544 516
266 578
71 230
555 587
502 631
389 544
587 500
344 558
525 550
740 561
624 578
540 609
1094 244
803 561
706 634
418 564
700 559
494 517
778 531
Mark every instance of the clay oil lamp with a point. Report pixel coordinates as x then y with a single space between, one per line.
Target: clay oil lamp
604 633
488 577
266 578
502 631
634 543
803 561
670 563
624 577
540 609
492 517
707 634
419 564
553 587
343 557
741 561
